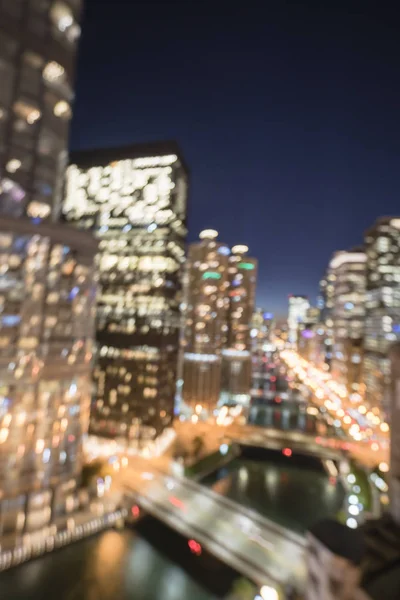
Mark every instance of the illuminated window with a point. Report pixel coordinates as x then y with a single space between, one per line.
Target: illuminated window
63 110
26 111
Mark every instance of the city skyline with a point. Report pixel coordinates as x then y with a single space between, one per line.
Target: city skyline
282 135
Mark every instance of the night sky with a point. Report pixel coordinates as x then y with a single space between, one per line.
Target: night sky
288 114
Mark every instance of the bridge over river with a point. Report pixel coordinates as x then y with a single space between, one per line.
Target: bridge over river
253 545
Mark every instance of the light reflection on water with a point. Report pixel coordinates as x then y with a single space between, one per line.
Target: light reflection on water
111 566
293 496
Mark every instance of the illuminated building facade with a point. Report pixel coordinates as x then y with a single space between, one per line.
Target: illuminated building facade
382 326
236 357
38 42
325 329
298 306
134 200
262 324
308 337
348 314
46 284
206 307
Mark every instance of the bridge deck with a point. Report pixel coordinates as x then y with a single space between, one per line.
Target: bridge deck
256 547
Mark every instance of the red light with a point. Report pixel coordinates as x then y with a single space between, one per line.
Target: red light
135 511
176 502
278 400
287 452
194 547
272 378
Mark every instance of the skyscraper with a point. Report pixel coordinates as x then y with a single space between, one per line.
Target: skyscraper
134 200
348 269
298 306
382 327
38 42
218 307
236 357
46 287
206 305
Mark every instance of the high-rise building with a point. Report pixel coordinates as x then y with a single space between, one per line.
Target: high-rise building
298 306
206 306
236 357
261 328
218 307
134 199
325 329
46 287
38 42
382 325
348 269
307 338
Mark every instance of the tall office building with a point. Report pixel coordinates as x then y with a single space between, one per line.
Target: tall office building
134 200
46 286
382 326
298 306
348 315
236 357
206 307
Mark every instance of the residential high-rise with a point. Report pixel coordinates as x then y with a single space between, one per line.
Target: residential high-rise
348 314
218 308
134 199
298 306
206 305
46 287
382 325
38 42
261 328
236 357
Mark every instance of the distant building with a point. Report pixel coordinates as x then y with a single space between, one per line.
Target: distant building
298 306
206 309
236 357
134 199
307 335
262 324
382 326
348 272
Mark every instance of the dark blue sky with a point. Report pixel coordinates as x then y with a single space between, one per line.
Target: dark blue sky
288 114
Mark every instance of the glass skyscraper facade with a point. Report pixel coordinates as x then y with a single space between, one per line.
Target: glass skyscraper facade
382 326
38 43
46 284
134 200
348 269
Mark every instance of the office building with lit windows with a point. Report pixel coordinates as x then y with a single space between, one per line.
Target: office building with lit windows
382 324
236 357
134 200
205 307
46 284
38 42
298 306
348 273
